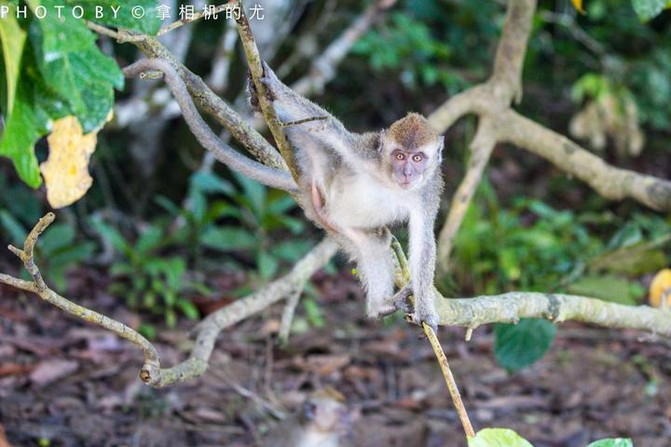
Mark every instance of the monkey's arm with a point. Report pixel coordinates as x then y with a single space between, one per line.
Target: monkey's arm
311 128
423 265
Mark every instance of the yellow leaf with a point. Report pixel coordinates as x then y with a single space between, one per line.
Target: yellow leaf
660 287
66 171
577 4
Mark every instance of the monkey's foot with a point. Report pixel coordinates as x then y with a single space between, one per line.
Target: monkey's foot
401 300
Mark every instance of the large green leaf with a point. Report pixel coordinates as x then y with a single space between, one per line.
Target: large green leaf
519 345
612 442
23 126
648 9
77 71
122 16
13 38
498 437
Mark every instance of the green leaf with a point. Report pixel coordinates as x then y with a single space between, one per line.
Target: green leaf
519 345
148 24
608 288
210 182
266 264
648 9
188 308
150 239
23 126
13 38
228 238
612 442
56 237
497 437
16 231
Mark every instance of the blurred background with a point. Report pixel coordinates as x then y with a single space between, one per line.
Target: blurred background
166 235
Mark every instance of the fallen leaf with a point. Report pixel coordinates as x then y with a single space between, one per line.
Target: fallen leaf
51 370
66 171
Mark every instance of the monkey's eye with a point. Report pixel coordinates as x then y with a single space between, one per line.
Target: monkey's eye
400 157
417 158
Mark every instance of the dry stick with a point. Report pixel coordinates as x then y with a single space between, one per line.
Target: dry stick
449 380
402 277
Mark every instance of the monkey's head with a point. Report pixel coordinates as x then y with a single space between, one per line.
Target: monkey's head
325 411
413 149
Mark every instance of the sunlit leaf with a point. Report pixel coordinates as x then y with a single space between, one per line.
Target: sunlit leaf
498 437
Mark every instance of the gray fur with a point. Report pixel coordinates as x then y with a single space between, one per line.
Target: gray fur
353 173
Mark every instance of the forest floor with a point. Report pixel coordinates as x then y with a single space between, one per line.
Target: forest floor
64 383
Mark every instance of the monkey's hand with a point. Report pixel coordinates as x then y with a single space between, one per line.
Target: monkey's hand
415 314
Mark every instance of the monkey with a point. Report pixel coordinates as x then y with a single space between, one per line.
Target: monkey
354 185
324 421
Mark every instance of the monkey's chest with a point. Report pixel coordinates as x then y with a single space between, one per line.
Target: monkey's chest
363 203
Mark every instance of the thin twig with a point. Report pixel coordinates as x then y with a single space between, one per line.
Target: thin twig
256 72
449 380
195 17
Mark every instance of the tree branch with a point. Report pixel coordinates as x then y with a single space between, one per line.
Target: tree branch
207 100
264 174
611 182
510 307
256 72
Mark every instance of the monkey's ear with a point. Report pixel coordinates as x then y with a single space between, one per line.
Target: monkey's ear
382 139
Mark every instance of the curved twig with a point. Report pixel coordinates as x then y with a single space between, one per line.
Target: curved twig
264 174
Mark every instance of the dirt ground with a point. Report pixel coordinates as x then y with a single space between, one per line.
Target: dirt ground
63 383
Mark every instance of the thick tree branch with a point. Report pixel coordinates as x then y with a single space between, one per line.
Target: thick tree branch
491 101
611 182
264 174
510 307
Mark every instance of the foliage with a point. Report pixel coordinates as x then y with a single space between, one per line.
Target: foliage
53 68
145 278
520 345
256 213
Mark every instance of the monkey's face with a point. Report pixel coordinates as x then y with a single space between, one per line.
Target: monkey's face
411 168
408 167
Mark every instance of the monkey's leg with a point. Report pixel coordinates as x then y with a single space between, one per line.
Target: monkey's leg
375 264
318 204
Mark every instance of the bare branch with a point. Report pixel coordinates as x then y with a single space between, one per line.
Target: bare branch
264 174
195 17
510 307
611 182
207 100
39 287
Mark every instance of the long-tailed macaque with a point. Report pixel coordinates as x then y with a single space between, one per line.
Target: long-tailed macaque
356 184
324 421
